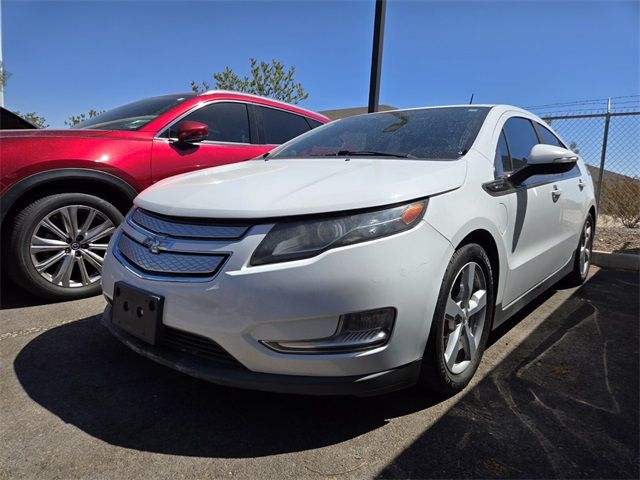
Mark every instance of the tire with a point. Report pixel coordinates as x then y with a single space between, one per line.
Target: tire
450 373
582 255
41 260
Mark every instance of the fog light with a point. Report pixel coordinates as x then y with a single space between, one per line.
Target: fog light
355 332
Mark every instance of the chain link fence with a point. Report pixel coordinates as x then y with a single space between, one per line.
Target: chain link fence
608 140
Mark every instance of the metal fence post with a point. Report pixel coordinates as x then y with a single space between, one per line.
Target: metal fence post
603 154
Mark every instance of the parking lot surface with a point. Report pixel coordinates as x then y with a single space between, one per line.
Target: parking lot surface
556 396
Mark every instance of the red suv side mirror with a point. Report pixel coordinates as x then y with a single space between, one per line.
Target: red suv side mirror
190 132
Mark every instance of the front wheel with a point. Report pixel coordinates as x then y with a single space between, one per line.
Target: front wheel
461 322
57 245
582 260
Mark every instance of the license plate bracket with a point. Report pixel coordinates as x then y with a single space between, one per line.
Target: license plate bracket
138 312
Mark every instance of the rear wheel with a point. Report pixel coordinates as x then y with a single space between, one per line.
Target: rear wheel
57 245
461 322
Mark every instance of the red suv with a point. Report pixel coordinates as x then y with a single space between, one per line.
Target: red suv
63 192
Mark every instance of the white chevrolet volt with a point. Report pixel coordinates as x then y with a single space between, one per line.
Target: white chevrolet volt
367 255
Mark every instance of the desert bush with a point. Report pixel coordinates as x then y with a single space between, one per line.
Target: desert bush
621 199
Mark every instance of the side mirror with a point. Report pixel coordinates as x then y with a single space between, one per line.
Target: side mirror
191 132
545 160
550 154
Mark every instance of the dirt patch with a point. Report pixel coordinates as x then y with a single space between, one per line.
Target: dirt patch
612 236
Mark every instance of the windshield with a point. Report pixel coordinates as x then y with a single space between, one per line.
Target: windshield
425 134
134 115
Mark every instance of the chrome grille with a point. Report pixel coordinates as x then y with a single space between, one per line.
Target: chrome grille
186 228
169 263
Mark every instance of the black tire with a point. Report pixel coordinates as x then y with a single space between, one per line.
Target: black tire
18 259
435 375
579 274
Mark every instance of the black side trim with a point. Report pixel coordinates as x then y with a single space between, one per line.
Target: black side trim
502 186
37 179
523 174
222 373
502 316
255 125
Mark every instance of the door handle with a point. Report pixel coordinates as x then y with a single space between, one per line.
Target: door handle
555 193
581 184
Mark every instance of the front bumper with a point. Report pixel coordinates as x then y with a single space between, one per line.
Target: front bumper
228 375
244 305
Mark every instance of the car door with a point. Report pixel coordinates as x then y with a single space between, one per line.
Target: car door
533 237
233 137
573 196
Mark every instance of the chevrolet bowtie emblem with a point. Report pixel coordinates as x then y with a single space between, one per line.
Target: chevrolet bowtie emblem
155 244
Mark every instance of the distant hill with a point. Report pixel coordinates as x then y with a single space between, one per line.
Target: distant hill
608 175
350 112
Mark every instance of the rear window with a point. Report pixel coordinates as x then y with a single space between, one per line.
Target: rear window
280 126
314 123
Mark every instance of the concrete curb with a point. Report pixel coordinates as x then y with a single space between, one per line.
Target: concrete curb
618 261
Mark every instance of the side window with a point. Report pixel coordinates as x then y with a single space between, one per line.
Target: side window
521 138
227 122
280 126
548 138
502 160
313 123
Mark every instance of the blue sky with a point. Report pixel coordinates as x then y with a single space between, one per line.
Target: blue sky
67 57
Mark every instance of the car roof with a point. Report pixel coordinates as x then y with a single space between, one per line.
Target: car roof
496 109
265 99
498 106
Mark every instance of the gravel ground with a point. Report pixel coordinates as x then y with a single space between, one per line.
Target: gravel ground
618 239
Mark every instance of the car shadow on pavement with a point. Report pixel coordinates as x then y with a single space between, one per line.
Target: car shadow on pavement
507 425
80 373
563 404
12 296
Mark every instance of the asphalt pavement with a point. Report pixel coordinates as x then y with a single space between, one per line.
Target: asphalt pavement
556 396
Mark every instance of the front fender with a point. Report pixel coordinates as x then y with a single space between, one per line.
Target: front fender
22 187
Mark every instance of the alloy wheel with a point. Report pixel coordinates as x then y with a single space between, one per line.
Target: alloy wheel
465 318
68 245
585 248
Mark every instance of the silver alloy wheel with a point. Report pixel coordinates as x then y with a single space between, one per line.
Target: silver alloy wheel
585 248
465 318
69 244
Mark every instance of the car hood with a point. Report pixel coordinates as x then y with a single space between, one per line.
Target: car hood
276 188
51 133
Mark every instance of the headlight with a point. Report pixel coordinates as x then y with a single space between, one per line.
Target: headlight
304 239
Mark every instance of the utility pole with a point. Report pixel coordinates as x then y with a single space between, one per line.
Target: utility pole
376 56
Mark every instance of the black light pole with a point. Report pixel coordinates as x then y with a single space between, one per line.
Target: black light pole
376 56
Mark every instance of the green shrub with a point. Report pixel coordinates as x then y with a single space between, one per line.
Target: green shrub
621 199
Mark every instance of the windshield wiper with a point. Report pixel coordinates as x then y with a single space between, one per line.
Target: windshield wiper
367 153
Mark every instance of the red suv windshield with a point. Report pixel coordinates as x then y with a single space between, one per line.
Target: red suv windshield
134 115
